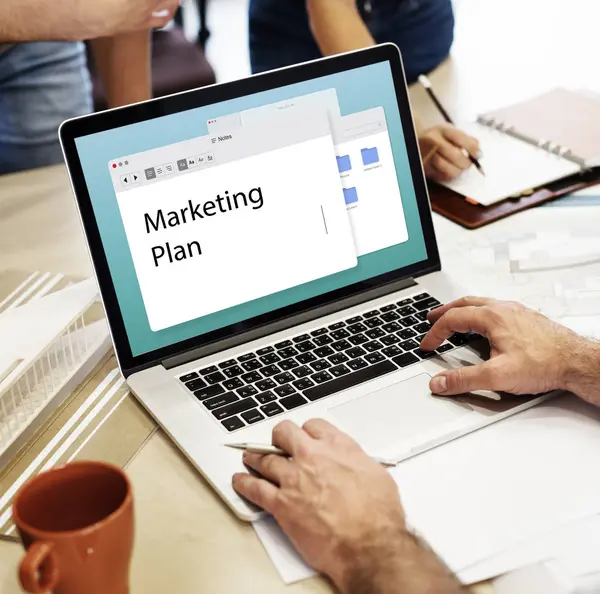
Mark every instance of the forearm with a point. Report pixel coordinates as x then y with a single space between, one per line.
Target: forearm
403 566
337 26
582 374
123 63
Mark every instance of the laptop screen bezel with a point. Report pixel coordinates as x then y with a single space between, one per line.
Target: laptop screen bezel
157 108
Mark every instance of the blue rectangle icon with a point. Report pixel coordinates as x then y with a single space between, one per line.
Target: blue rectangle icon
350 195
344 163
369 156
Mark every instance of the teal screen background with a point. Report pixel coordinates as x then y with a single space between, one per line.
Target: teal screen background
357 90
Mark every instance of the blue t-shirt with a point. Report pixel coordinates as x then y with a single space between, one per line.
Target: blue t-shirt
423 30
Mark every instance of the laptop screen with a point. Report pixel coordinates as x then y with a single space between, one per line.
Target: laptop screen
218 214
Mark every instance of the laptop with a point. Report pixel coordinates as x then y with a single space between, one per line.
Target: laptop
265 251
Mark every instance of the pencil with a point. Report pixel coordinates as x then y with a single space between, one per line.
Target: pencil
255 448
426 83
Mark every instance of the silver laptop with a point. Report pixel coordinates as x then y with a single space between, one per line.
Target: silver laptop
265 251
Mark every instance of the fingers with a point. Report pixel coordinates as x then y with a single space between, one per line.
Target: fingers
461 140
484 376
442 169
463 320
436 314
454 155
289 437
257 490
272 467
321 429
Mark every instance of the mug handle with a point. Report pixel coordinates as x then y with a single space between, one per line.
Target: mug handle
38 571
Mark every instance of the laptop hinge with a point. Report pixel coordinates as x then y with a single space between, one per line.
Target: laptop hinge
288 322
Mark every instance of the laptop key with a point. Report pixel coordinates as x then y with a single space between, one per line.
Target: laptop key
356 364
270 370
234 409
423 327
233 384
389 307
390 339
375 333
406 334
265 384
350 380
391 327
288 352
233 423
306 358
390 316
301 338
408 321
356 328
407 310
305 346
324 351
251 365
339 334
354 320
355 352
357 339
227 363
284 390
320 365
270 358
304 383
284 378
371 314
421 296
458 339
265 350
323 340
233 371
421 315
188 377
290 402
425 354
208 370
252 416
404 302
374 358
426 303
284 344
392 351
409 345
339 370
322 376
341 345
246 357
374 322
445 347
336 326
215 378
289 364
266 397
209 392
252 377
319 332
372 346
222 400
247 391
271 409
338 358
302 371
405 359
195 384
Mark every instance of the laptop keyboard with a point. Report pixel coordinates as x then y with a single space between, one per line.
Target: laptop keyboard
278 378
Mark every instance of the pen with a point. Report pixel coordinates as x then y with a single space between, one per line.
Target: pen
256 448
426 83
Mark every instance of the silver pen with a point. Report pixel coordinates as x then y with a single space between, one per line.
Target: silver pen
257 448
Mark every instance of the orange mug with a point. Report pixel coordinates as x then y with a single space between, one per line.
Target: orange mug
76 523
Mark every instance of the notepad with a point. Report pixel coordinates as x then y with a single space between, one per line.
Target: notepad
531 144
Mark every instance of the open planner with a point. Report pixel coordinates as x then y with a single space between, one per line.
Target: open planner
531 144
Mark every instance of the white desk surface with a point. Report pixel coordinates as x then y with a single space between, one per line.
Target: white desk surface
186 539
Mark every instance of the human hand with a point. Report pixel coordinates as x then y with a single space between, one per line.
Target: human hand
530 354
449 161
87 19
338 507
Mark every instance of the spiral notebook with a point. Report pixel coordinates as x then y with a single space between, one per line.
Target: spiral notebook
531 144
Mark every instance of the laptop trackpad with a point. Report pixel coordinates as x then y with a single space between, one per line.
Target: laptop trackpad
395 413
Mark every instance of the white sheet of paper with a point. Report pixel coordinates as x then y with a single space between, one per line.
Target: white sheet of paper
511 166
490 490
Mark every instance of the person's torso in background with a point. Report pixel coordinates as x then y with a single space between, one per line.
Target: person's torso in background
423 30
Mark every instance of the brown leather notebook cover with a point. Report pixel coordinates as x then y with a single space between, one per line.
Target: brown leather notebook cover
453 206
